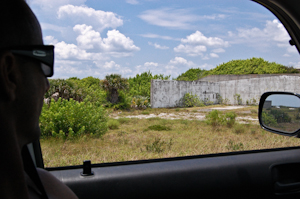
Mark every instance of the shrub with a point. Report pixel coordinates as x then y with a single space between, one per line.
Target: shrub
158 145
213 118
65 118
239 129
238 99
123 120
229 118
159 127
190 100
140 102
113 124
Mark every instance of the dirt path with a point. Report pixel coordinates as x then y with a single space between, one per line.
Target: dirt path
193 115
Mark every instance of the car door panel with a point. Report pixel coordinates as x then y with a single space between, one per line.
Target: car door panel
245 174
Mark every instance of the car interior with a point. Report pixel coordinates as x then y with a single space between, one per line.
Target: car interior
267 173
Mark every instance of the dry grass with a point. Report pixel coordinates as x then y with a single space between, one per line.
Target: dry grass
133 140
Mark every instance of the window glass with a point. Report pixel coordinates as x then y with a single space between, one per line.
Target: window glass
101 105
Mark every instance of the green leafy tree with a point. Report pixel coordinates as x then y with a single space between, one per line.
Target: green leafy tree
251 66
192 74
140 84
112 84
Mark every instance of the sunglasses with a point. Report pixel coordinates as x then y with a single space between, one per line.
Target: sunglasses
42 53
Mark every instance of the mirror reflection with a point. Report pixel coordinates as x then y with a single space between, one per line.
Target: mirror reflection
281 112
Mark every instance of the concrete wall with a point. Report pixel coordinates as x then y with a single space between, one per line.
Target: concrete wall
253 88
167 93
218 78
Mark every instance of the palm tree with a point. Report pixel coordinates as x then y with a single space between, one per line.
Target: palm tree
112 84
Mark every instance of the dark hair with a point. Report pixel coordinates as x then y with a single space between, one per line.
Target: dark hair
18 24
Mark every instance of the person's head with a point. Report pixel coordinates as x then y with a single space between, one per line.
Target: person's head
22 80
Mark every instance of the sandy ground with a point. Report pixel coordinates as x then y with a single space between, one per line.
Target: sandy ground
193 115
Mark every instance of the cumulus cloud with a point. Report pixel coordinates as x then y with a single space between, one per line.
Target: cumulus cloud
98 18
190 50
181 61
73 52
272 34
197 43
107 65
148 64
115 43
133 2
50 40
175 18
198 38
157 46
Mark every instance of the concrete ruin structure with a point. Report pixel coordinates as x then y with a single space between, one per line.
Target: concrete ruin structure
231 88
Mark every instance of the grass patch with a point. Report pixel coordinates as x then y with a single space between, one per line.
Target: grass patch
159 127
113 124
186 137
124 120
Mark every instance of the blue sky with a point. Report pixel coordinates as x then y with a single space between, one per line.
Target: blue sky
97 37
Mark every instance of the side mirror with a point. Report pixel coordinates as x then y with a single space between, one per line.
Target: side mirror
279 112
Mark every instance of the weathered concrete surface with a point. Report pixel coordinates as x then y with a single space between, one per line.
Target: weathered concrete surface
253 88
167 93
218 78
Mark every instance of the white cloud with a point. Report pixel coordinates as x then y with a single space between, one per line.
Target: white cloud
218 50
214 55
198 38
84 14
47 26
133 2
273 34
196 44
190 50
71 51
50 40
150 35
116 44
157 46
116 41
181 61
107 65
171 18
88 37
149 64
175 18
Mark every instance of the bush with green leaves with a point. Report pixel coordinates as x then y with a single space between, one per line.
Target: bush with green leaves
140 102
113 84
192 74
68 119
190 100
216 118
140 84
250 66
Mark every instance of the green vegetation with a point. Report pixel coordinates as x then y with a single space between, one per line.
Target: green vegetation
192 74
217 118
132 140
190 100
112 84
141 83
68 119
75 124
238 67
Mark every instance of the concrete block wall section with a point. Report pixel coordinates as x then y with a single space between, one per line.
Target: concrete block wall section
167 93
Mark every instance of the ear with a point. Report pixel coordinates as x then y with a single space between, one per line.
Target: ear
8 76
